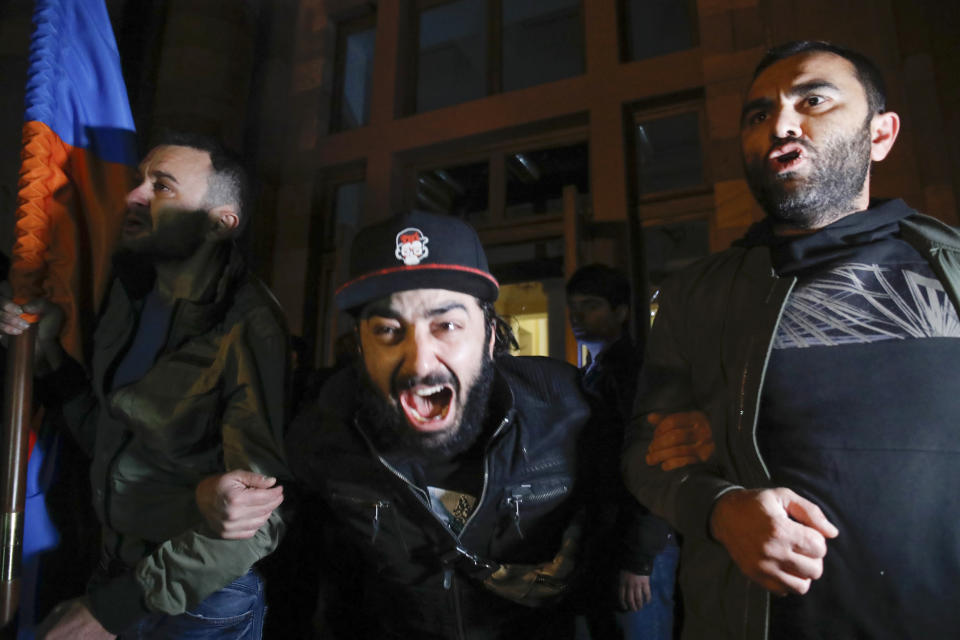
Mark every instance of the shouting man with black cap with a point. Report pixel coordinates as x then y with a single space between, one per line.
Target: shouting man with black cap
445 469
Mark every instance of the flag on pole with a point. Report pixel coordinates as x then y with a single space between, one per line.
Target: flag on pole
79 148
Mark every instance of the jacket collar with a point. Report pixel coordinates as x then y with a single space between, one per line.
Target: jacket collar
210 292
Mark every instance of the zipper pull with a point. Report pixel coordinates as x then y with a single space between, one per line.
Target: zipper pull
447 578
376 521
515 500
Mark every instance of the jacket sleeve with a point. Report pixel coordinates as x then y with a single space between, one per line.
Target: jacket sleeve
184 570
683 497
642 536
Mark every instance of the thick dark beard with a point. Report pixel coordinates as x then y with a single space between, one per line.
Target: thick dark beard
392 435
175 239
840 169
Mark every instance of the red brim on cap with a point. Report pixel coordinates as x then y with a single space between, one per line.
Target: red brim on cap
384 282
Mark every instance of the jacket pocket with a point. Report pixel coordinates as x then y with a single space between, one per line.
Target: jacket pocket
369 509
523 503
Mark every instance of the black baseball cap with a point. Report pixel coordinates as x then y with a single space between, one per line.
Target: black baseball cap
416 250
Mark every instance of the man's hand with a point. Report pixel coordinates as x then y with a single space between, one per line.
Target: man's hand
634 590
48 353
679 439
237 503
72 620
776 538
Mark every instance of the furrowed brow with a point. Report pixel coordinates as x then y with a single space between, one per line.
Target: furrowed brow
439 311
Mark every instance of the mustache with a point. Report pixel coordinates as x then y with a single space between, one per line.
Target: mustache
140 213
402 383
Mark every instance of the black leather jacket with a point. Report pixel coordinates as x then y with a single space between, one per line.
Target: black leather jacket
414 583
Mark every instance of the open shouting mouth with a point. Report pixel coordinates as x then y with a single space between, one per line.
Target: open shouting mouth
428 407
786 158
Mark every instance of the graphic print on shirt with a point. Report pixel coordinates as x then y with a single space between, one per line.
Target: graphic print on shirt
452 507
861 303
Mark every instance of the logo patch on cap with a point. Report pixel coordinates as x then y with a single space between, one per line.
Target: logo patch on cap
411 246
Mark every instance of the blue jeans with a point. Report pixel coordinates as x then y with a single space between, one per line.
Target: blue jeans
232 613
655 620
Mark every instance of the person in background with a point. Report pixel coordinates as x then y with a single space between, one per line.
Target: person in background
633 554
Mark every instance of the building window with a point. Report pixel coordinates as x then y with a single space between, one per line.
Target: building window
505 185
461 190
653 28
542 41
535 179
452 65
468 49
353 75
668 153
338 202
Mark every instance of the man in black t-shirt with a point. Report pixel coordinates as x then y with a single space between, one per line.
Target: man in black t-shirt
822 350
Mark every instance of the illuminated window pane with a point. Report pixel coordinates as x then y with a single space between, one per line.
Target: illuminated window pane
542 42
357 79
668 153
452 64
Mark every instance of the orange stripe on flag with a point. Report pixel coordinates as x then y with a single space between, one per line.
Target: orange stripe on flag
69 215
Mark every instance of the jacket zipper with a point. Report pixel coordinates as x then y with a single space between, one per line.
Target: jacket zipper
378 507
448 573
762 474
516 499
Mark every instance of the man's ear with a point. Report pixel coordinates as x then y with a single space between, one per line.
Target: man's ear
493 337
884 128
225 220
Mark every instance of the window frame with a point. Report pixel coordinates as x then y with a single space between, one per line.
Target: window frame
494 52
344 28
324 248
498 226
661 207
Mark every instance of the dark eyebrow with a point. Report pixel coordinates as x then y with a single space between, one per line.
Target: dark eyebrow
810 87
439 311
753 105
383 310
164 174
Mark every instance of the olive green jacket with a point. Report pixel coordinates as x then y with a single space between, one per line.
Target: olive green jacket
708 350
213 401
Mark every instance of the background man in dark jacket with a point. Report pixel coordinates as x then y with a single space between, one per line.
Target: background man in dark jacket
633 554
822 349
187 379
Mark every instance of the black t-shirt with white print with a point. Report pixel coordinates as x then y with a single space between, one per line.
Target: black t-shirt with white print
860 412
